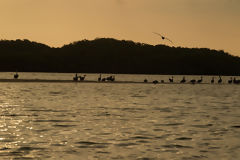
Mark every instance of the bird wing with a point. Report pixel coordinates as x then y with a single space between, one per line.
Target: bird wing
169 40
158 34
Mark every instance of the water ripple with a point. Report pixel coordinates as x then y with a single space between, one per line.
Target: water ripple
119 121
175 146
89 144
183 138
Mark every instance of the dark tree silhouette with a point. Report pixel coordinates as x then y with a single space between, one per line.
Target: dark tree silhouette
107 55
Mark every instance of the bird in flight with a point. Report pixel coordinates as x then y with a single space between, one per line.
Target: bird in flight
163 37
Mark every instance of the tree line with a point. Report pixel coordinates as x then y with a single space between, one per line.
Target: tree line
108 55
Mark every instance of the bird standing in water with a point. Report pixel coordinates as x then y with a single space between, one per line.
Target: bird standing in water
16 75
76 77
212 81
100 78
171 80
230 81
183 80
220 79
200 80
193 81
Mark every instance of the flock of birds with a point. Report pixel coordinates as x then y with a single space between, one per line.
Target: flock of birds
194 81
171 79
100 78
81 78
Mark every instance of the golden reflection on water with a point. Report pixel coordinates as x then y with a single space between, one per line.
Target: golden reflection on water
119 121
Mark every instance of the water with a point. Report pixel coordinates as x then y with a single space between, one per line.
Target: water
118 121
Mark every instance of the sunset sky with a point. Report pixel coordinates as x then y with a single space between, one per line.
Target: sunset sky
213 24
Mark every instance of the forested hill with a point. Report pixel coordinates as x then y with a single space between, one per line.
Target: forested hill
106 55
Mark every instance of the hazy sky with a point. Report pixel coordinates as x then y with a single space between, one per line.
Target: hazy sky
189 23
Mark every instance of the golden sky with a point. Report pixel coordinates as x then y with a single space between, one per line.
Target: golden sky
212 24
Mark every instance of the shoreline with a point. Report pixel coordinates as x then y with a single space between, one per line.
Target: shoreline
92 81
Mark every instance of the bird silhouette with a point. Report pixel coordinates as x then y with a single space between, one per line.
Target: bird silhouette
155 81
183 80
230 81
193 81
163 37
212 81
76 77
100 78
113 78
16 75
171 80
235 81
200 80
220 79
82 77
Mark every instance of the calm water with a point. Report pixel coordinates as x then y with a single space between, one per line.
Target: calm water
118 121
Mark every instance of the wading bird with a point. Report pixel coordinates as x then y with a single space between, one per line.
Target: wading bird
183 80
220 79
155 82
76 77
16 75
82 77
171 80
212 81
100 78
193 81
230 81
235 81
200 80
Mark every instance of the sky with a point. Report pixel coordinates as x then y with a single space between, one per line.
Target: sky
211 24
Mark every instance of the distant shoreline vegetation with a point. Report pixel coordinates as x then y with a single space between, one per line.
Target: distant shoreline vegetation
108 55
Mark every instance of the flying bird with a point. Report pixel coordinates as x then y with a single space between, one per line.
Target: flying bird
163 37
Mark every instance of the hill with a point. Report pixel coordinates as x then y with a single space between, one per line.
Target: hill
107 55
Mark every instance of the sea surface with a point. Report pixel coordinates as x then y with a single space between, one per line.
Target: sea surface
119 121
